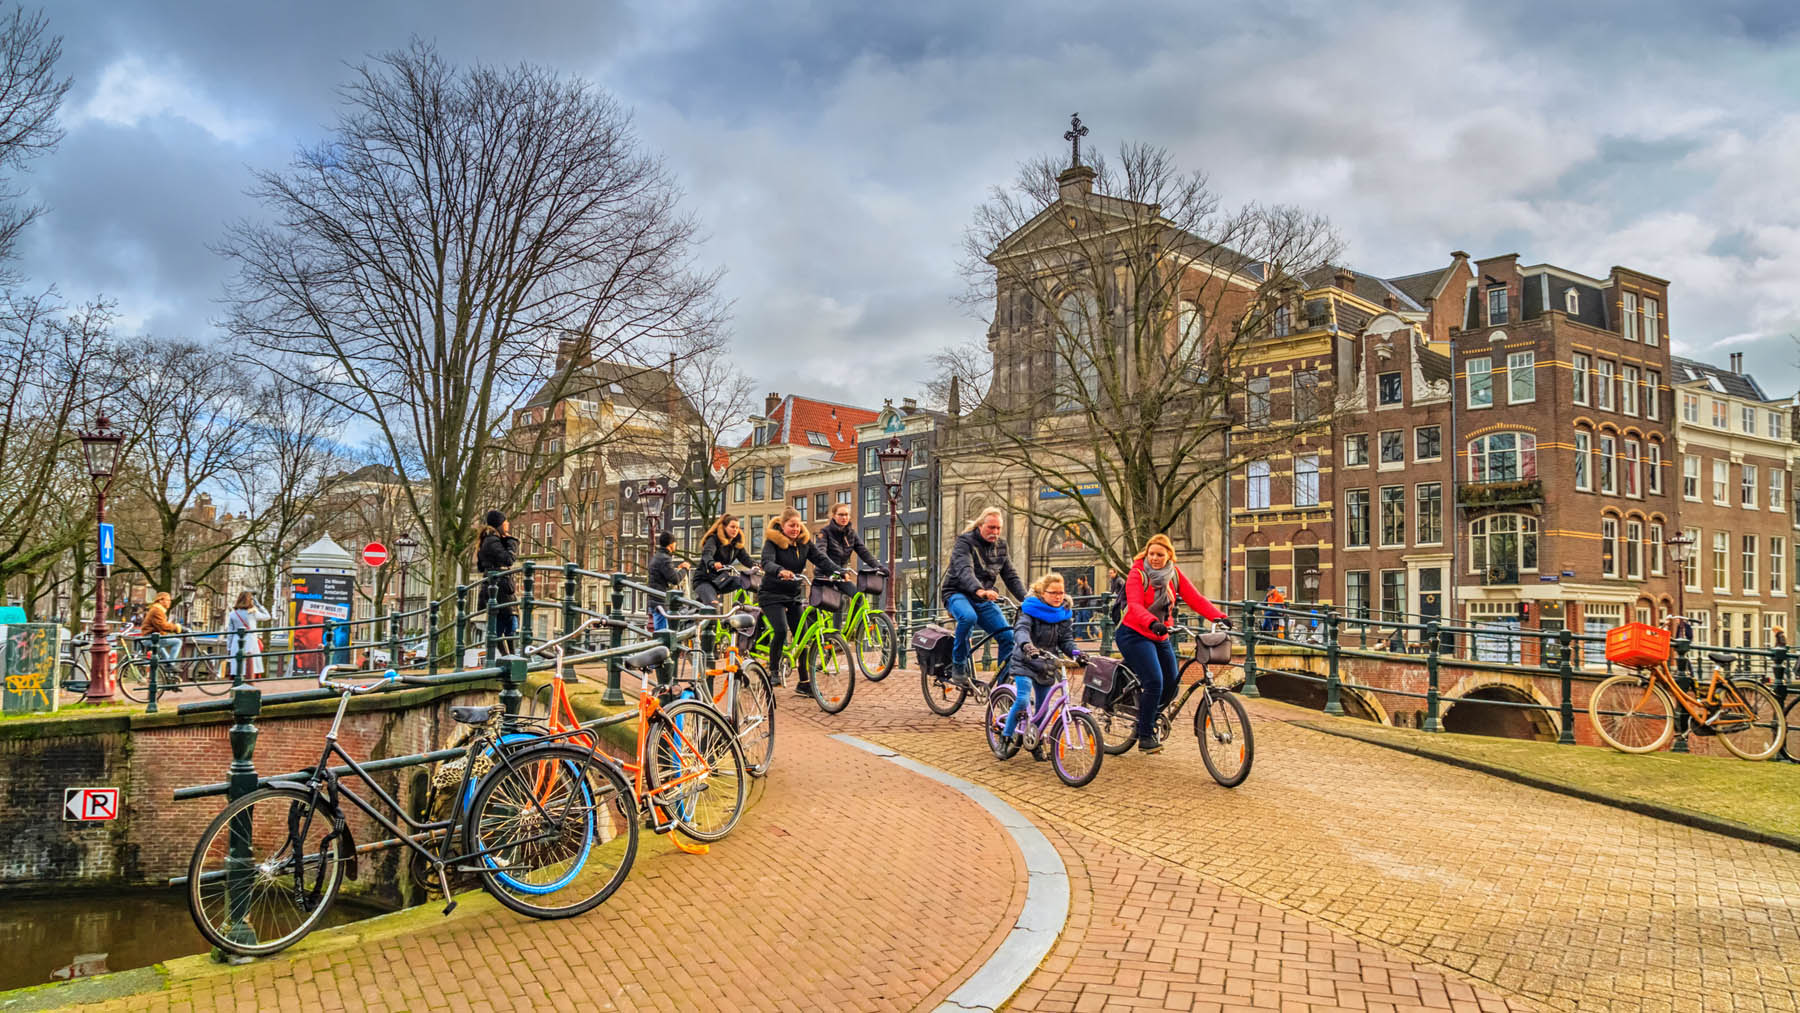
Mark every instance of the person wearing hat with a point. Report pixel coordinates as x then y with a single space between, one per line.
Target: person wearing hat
497 551
1143 638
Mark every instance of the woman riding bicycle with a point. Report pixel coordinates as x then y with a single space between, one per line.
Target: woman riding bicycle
838 538
1143 635
722 546
787 548
978 562
1045 627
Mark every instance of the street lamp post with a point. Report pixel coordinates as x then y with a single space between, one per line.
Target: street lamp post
406 549
652 497
101 447
187 602
893 474
1681 549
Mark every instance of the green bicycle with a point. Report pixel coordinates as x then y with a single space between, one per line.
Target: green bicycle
870 630
815 650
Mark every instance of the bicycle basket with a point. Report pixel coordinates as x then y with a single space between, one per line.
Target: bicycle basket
827 596
754 580
1213 648
1636 645
1100 681
871 584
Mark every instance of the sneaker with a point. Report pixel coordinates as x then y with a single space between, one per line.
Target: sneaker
1150 745
803 689
959 676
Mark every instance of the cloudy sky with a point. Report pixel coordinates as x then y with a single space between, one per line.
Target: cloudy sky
834 152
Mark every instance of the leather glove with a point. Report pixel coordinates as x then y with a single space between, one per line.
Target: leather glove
1159 628
1079 658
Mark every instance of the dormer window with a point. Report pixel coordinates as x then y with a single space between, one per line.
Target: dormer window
1496 299
1283 321
1572 301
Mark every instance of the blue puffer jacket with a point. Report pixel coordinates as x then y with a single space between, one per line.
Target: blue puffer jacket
1050 630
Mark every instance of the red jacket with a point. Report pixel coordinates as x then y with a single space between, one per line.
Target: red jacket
1138 596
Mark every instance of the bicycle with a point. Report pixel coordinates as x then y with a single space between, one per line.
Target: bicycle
1790 739
945 692
1221 724
1634 712
816 651
545 829
869 629
1069 731
131 651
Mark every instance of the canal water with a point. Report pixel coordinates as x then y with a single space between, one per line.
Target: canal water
133 928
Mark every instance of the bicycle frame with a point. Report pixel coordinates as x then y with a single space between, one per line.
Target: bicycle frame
1699 709
1041 715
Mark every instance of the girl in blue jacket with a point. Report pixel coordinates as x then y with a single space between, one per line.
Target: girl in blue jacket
1045 628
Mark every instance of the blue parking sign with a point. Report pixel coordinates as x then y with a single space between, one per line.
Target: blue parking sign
106 545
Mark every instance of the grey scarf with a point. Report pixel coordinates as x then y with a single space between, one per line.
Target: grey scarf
1162 581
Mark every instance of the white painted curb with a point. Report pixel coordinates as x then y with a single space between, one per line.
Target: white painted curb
1046 908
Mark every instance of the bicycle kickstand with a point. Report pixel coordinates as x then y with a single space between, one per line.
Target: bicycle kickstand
444 885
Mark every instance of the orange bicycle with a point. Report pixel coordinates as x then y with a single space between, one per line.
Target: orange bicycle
1635 712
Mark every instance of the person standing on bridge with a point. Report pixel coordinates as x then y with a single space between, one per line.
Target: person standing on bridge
241 639
665 574
978 562
497 551
1143 638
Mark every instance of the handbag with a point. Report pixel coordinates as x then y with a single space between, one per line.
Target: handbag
932 646
1213 648
1099 681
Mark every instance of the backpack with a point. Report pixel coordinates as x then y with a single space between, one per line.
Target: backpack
932 646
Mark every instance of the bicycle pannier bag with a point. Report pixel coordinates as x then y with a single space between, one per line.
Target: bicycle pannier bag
754 580
871 584
743 638
827 596
932 646
1099 682
1214 648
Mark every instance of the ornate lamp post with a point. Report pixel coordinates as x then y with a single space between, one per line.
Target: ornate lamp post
652 497
101 447
1309 583
893 475
187 602
406 549
1681 549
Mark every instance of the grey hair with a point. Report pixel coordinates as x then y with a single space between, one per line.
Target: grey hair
993 511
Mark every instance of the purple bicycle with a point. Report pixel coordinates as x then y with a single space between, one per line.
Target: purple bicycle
1068 732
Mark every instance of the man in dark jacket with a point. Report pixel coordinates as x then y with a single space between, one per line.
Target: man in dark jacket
497 551
978 564
665 575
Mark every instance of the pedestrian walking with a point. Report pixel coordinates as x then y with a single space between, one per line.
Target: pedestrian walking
498 549
787 548
156 620
1115 591
978 565
722 545
665 575
1045 628
241 639
1084 607
1150 592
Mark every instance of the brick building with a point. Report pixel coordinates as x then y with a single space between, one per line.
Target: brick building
915 565
793 434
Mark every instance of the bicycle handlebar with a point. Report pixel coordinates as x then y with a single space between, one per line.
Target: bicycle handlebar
326 682
546 645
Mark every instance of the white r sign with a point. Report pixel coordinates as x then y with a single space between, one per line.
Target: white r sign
90 804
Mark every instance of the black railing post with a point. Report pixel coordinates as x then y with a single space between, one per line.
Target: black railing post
1433 692
527 606
394 639
459 636
1684 677
1249 686
492 614
431 638
1106 624
238 675
1334 687
512 676
1779 666
571 584
153 661
240 780
613 694
1565 640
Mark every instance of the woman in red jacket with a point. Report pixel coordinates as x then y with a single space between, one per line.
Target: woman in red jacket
1143 636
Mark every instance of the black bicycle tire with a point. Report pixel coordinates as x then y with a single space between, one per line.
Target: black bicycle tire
1122 710
928 683
703 714
195 874
1790 745
1010 748
586 760
835 643
201 671
889 656
755 682
1242 716
139 671
1053 738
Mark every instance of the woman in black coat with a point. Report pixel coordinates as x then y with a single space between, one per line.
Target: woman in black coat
787 548
838 539
665 575
498 550
722 546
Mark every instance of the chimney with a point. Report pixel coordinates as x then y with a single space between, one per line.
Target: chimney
1390 301
1075 183
1458 255
770 403
953 404
565 351
1737 363
1345 279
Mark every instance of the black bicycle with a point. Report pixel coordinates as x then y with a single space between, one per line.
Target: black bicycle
549 827
945 691
1221 725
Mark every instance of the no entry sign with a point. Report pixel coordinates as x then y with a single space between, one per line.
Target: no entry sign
374 554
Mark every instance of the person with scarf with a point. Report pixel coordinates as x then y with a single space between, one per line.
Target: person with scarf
1045 628
1143 636
722 546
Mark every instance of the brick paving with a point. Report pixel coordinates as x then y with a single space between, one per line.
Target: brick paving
1343 876
851 884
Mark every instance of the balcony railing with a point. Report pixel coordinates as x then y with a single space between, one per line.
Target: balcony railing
1485 494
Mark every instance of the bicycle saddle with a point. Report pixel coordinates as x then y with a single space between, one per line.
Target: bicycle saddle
743 622
646 659
473 715
1721 660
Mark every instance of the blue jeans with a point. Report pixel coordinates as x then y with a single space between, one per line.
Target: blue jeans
1025 688
970 614
1153 662
658 621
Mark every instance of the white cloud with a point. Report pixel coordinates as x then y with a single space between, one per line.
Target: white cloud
131 91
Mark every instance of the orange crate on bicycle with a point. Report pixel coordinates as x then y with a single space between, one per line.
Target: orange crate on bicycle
1636 645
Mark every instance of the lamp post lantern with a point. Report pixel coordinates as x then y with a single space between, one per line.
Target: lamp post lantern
1681 549
652 497
187 602
406 549
893 474
101 448
1309 583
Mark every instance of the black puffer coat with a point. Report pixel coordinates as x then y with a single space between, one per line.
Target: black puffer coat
778 554
840 543
496 552
715 550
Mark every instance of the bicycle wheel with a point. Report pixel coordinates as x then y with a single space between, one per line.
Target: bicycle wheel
552 829
1754 730
943 696
877 646
1226 744
201 673
289 865
1790 742
1000 703
133 677
833 673
1075 747
1632 714
756 718
696 770
1118 722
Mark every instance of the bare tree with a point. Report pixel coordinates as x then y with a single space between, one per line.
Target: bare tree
1123 314
301 465
964 369
30 94
458 228
720 394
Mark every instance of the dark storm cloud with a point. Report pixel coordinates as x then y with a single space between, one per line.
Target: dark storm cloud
834 151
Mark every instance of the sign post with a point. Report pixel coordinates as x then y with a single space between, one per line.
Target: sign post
106 545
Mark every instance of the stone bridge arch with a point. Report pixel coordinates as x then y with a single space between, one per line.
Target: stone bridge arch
1464 710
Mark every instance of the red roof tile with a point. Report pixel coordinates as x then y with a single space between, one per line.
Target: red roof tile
800 417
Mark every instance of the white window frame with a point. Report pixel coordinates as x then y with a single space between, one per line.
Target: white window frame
1750 546
1481 366
1747 479
1578 375
1690 576
1368 512
1420 513
1721 482
1609 533
1652 322
1690 407
1503 306
1778 490
1584 461
1360 440
1306 480
1690 477
1747 419
1656 549
1382 499
1521 370
1653 395
1721 562
1628 390
1381 463
1634 550
1604 372
1653 463
1608 478
1256 476
1631 467
1778 566
1571 301
1629 317
1775 426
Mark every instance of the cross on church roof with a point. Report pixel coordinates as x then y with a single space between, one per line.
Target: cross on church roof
1074 135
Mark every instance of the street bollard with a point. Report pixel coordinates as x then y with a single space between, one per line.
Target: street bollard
1565 640
1106 624
570 586
240 780
1433 698
512 676
1249 686
154 660
492 614
1780 670
460 634
431 639
614 695
1334 687
527 607
1684 678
